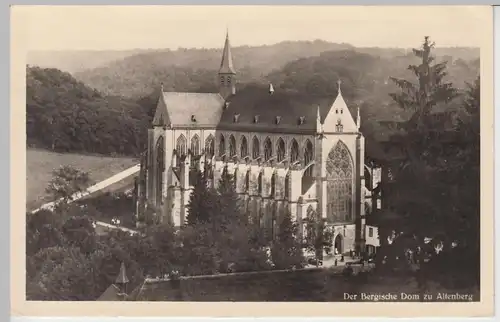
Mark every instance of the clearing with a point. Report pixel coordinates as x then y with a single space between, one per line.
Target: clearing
41 163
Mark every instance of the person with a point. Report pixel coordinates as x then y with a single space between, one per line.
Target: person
350 253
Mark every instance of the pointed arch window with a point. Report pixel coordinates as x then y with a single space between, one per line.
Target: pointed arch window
232 146
209 146
235 178
287 185
308 157
255 148
160 165
181 145
273 185
339 169
195 145
247 181
268 149
280 150
294 151
259 182
243 147
222 145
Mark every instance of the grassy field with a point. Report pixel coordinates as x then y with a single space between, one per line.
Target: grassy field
41 163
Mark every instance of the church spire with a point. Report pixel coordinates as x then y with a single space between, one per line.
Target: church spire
227 74
226 64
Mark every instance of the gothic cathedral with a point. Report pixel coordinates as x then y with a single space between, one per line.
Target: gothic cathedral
289 152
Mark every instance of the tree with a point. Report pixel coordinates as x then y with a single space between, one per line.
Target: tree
318 236
67 182
79 232
429 191
43 230
287 249
419 140
63 278
228 205
202 201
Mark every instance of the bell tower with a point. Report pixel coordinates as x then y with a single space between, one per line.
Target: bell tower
227 74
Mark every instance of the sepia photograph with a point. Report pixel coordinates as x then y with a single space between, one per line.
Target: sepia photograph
255 154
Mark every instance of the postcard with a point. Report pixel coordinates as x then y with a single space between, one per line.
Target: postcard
252 160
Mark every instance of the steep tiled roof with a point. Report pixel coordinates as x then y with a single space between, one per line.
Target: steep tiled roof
177 109
112 293
254 108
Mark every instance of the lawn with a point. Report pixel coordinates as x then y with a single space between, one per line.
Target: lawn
313 285
41 163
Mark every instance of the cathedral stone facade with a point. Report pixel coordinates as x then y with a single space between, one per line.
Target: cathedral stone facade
288 152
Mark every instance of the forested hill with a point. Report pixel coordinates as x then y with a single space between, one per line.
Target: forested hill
195 69
64 115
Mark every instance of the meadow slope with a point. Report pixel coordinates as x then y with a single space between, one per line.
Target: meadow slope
41 163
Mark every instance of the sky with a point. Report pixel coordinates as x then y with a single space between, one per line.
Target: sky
134 27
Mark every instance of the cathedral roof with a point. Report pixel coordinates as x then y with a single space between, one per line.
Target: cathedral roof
255 108
188 109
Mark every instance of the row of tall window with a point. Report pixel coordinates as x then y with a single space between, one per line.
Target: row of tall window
269 152
278 152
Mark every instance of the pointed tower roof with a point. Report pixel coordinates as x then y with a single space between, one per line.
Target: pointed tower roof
226 65
339 114
122 276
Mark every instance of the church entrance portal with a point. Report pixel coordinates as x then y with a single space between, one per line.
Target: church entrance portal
338 244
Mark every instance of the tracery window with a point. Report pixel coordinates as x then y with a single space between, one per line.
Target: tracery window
268 150
280 150
339 183
255 148
181 145
222 145
294 151
308 157
195 145
210 146
243 147
232 146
